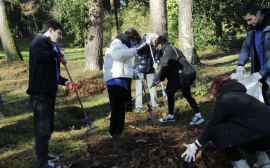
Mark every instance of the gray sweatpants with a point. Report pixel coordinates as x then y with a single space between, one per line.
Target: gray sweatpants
153 91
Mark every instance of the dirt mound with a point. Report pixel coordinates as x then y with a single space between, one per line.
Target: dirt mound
23 73
85 87
151 148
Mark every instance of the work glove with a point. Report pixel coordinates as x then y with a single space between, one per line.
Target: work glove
154 84
71 86
256 76
61 56
240 72
148 38
191 151
141 76
155 65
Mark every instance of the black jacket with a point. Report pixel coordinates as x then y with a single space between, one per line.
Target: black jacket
144 61
42 67
171 66
239 118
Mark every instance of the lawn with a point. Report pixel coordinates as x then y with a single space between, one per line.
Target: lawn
68 140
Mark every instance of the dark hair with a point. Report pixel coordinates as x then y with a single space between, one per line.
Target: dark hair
161 40
53 24
134 36
218 83
250 8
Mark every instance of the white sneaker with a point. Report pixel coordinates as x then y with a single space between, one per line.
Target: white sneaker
240 164
262 160
196 120
166 119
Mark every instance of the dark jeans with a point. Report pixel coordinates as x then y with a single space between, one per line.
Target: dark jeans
233 153
118 96
43 125
186 93
266 93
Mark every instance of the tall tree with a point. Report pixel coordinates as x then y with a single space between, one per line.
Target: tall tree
158 17
114 19
9 44
93 41
186 33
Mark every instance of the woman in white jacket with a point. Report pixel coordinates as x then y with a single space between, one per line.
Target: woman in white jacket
118 72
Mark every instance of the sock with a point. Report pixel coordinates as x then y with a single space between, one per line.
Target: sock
198 114
171 116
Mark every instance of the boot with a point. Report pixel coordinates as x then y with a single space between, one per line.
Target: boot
240 164
262 160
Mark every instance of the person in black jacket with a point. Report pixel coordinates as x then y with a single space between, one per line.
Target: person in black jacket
239 121
145 65
44 77
179 74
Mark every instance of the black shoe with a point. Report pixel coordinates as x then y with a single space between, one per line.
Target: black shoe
166 119
50 165
52 158
139 109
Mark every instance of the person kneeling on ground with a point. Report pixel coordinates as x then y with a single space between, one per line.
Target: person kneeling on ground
180 75
44 77
118 73
239 121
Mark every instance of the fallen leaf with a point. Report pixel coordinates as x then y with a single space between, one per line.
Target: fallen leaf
170 160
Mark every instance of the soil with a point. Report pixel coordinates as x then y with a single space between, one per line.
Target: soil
86 87
152 148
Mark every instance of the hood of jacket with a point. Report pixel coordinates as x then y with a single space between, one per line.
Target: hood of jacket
162 49
124 38
46 38
231 86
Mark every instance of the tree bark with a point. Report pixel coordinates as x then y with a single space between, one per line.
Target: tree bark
158 17
114 19
9 44
93 41
186 33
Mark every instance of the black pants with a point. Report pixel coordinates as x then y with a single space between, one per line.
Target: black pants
233 153
43 124
185 89
266 93
119 97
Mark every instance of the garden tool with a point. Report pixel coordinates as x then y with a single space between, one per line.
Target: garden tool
86 118
163 90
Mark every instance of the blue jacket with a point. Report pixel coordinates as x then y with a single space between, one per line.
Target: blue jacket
144 61
249 50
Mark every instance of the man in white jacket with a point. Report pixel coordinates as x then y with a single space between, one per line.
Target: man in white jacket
118 72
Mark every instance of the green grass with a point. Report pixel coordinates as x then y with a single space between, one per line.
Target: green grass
16 132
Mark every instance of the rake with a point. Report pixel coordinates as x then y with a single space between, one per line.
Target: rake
86 118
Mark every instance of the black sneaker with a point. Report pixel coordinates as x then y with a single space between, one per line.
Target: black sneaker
196 120
166 119
139 109
52 158
50 165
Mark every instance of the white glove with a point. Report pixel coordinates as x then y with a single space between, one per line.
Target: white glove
155 65
141 76
191 151
148 40
240 72
256 76
134 50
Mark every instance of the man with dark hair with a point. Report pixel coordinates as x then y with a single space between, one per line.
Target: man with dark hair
257 47
44 77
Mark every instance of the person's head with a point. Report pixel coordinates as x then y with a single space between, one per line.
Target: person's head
134 36
218 83
160 41
53 29
252 13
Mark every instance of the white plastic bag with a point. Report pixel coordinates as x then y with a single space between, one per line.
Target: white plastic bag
253 87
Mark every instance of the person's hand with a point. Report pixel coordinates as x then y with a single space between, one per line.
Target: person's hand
155 65
71 86
240 72
141 76
148 40
62 58
154 84
256 76
191 151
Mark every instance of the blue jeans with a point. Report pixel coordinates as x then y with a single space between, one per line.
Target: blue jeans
43 124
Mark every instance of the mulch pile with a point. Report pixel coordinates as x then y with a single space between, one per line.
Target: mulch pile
86 87
150 147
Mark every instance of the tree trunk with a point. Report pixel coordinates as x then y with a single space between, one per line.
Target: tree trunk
158 17
9 44
93 41
186 33
114 19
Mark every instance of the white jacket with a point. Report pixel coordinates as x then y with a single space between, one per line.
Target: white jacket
118 62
